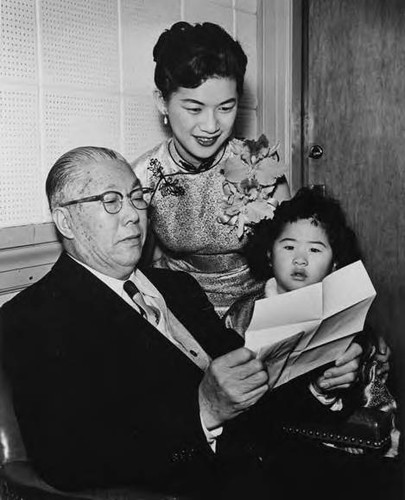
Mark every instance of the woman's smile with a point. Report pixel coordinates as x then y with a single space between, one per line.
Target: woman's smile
202 118
206 141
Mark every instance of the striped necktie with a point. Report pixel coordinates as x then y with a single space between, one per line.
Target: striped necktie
152 314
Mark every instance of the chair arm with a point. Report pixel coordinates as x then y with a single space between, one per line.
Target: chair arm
18 481
366 428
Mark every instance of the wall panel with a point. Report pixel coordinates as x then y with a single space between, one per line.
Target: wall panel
81 72
142 124
78 118
18 41
79 44
141 24
20 186
248 5
196 11
246 33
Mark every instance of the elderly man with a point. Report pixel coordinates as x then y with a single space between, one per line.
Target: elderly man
123 377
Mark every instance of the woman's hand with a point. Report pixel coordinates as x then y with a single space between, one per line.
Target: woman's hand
345 372
382 356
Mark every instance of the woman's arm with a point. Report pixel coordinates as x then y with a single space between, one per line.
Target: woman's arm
382 356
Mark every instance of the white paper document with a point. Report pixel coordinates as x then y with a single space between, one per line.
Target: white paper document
297 331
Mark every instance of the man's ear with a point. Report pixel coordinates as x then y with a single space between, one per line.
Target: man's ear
160 102
63 222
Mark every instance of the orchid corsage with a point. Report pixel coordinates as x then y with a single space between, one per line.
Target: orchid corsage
250 179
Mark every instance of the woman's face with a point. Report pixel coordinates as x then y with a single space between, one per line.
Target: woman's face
202 118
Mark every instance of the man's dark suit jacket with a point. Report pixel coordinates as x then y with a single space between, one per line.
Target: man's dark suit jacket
102 397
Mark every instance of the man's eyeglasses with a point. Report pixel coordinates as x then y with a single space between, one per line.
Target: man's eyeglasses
112 200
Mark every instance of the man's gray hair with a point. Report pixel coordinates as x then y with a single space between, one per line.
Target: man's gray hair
66 169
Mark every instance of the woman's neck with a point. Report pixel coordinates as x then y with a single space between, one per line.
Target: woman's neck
197 165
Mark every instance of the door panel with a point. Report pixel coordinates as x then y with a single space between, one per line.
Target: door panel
354 107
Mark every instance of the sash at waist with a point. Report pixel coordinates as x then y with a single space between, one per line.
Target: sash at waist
215 262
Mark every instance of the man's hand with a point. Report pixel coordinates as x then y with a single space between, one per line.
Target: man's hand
344 373
232 384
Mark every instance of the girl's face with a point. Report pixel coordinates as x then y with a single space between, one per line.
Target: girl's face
301 255
202 118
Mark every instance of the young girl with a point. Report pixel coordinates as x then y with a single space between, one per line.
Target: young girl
307 239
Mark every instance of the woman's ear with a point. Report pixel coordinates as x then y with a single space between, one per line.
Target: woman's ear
334 267
160 102
62 220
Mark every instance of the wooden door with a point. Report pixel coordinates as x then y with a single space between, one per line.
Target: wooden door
354 108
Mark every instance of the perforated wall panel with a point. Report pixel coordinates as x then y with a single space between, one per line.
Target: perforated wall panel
18 48
21 186
142 23
142 125
79 119
80 43
80 72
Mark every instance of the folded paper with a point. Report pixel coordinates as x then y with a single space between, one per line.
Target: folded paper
297 331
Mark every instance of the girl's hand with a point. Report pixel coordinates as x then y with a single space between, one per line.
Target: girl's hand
345 372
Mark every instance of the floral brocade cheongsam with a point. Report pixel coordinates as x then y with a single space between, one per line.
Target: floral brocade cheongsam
186 216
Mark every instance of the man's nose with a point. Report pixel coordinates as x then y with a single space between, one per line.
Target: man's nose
129 213
209 122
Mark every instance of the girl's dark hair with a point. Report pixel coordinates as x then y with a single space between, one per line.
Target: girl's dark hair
187 55
306 204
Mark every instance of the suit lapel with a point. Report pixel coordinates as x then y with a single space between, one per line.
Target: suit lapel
194 311
97 300
113 314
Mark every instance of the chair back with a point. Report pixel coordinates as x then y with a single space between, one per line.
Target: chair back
11 443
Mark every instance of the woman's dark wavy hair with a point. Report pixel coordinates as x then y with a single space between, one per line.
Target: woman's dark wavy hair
187 55
306 204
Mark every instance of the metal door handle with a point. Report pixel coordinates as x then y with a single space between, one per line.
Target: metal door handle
319 189
315 152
